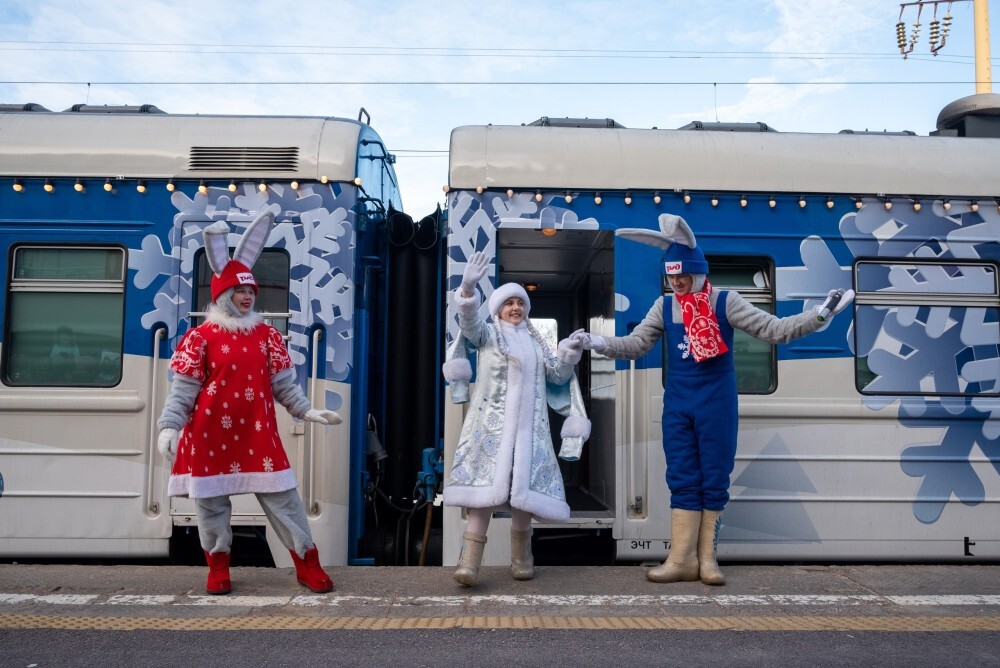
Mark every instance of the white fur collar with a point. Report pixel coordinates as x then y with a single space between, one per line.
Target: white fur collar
219 315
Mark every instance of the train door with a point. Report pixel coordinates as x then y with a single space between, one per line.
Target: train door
77 380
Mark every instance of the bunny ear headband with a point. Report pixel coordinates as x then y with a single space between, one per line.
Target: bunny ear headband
682 254
230 273
673 229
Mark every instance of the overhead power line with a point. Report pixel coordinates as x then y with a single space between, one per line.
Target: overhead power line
489 83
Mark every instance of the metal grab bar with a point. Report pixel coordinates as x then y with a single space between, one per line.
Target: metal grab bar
311 504
149 503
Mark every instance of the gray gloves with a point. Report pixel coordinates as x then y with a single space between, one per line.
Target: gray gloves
589 341
167 443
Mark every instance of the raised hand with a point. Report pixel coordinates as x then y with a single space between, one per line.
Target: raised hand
835 302
475 269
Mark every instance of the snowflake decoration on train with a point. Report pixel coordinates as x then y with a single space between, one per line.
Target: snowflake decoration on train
473 221
925 350
320 247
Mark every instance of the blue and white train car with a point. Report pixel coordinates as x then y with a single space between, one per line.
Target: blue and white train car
103 270
877 438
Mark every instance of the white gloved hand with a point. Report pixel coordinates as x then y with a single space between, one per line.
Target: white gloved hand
570 349
824 312
166 443
590 341
323 417
475 269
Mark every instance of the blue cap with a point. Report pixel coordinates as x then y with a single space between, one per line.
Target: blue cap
680 259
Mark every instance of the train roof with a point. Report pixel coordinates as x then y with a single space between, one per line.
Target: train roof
573 158
157 145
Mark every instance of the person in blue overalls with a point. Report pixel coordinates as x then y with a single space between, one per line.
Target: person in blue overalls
700 401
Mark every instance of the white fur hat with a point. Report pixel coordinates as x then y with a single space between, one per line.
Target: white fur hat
505 292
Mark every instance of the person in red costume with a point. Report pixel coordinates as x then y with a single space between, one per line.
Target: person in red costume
219 426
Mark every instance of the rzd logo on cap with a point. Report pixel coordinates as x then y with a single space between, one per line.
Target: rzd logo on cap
245 278
672 267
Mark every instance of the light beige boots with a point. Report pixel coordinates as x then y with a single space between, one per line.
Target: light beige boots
694 535
470 559
682 562
522 564
708 540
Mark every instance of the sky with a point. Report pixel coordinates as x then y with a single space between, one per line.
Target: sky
421 69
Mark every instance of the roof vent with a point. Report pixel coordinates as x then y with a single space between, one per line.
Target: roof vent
244 159
728 127
972 116
887 133
30 106
545 121
112 109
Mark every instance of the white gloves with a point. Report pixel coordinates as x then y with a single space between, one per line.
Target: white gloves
589 341
476 268
323 417
167 443
827 309
570 349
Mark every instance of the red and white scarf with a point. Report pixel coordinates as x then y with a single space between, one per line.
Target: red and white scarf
701 324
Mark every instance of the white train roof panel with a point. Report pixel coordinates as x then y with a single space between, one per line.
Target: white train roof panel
621 159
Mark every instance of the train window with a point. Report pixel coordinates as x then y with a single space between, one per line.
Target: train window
926 328
751 276
65 317
272 274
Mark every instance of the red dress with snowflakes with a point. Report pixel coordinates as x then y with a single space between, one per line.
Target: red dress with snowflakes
230 444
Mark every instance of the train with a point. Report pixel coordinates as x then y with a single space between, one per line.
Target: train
876 438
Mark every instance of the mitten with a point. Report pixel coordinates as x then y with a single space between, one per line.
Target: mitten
836 301
475 269
323 417
590 341
167 443
570 349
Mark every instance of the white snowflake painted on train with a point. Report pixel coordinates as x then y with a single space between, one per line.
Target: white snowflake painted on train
315 227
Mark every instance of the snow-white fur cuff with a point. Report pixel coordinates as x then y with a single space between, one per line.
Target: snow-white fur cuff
576 426
457 370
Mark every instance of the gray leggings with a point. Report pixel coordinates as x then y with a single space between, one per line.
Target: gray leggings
284 511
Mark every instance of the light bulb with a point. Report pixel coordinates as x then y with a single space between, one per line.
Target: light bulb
479 189
510 193
829 202
916 206
568 198
946 205
140 187
170 185
232 186
628 199
445 189
715 200
262 186
538 196
597 198
107 185
802 202
18 186
48 187
743 200
78 186
887 205
974 206
656 198
687 198
771 203
202 188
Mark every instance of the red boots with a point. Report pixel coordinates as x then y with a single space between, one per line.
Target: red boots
218 573
310 574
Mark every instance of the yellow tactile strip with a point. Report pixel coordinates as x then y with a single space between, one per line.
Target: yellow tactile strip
724 623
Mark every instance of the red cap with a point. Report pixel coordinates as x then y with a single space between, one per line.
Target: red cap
235 273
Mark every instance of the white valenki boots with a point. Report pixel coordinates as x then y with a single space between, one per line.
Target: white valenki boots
708 540
470 559
682 562
522 564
